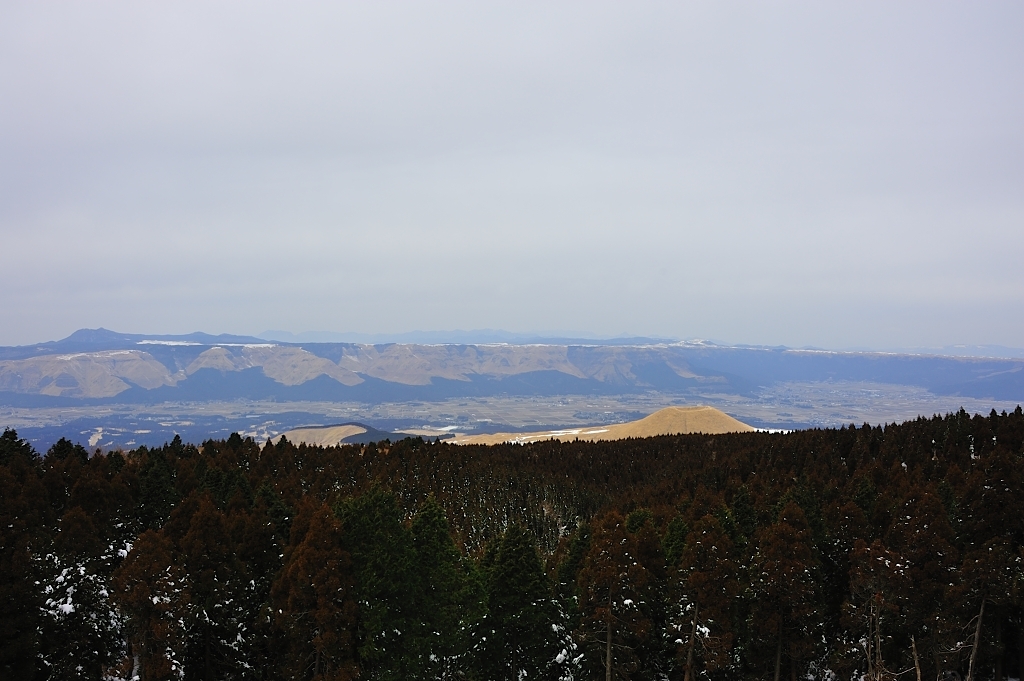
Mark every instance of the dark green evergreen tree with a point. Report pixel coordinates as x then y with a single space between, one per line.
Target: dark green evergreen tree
82 630
518 636
64 448
24 514
218 635
674 540
156 495
452 599
390 638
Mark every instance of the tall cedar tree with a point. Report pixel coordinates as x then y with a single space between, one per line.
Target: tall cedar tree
517 636
22 542
152 589
923 536
452 598
614 586
391 639
314 607
878 579
785 594
706 586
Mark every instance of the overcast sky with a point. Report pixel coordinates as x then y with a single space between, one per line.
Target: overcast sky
780 173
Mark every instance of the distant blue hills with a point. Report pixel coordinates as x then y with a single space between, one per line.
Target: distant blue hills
96 366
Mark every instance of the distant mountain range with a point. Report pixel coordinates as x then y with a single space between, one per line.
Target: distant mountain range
99 366
456 337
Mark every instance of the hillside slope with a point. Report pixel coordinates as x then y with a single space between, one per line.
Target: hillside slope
667 421
330 436
98 366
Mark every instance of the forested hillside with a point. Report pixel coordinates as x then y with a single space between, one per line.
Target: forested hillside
821 553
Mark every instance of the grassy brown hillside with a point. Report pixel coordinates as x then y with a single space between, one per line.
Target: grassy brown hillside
329 436
668 421
89 375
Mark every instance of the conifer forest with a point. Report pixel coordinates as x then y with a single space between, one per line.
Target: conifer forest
852 553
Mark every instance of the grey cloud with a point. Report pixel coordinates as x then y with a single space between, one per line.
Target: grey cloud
800 173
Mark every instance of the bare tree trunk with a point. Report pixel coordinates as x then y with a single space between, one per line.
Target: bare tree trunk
693 641
977 640
608 643
917 661
778 657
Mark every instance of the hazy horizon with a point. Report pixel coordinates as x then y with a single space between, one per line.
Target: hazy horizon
503 336
837 176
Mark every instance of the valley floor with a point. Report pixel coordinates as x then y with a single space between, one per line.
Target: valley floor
785 406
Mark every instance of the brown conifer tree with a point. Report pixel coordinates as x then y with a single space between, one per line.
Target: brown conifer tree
785 597
152 589
705 584
613 595
314 608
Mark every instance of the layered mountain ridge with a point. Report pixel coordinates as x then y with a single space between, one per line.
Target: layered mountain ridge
95 366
